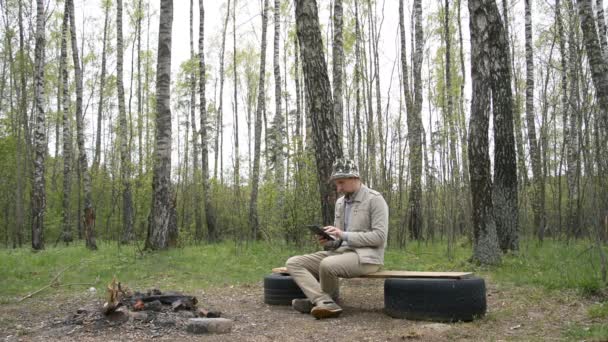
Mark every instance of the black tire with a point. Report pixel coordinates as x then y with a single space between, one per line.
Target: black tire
443 300
280 289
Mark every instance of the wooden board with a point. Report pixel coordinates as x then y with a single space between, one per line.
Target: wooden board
402 274
413 274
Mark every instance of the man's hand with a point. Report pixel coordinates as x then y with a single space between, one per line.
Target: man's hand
334 231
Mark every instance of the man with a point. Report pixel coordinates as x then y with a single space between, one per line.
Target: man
360 230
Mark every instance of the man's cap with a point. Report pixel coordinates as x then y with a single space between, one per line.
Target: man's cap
344 168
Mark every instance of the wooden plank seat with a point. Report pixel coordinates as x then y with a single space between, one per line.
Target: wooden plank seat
402 274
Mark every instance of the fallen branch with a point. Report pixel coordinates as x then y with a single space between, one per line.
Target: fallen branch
53 282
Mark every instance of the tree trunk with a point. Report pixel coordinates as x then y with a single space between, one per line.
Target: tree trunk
198 219
338 61
521 153
89 211
255 177
599 75
162 225
140 15
601 27
356 140
461 96
371 129
299 121
538 200
318 89
38 186
22 159
278 123
125 157
102 83
237 158
220 110
414 121
209 209
381 178
485 248
67 134
504 192
568 144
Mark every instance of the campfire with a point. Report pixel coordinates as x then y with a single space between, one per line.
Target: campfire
155 309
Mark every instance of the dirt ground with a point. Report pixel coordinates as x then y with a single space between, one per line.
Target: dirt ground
514 313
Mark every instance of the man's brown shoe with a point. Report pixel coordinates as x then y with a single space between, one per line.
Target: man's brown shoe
302 305
326 309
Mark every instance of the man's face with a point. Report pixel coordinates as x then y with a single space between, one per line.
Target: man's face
347 185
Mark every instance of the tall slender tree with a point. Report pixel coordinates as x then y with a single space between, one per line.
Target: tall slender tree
338 65
237 159
602 30
89 211
67 130
255 177
414 121
102 84
278 122
538 202
198 219
209 209
504 191
140 16
123 135
162 225
38 191
318 90
219 121
599 75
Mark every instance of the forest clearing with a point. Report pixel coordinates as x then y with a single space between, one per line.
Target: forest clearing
159 158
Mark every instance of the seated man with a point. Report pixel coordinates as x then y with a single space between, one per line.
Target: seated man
360 231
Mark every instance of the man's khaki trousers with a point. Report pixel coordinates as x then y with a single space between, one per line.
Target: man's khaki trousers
318 274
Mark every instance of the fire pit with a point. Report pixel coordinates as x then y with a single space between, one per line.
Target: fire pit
158 311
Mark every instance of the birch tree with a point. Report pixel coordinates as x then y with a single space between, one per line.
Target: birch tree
67 130
38 187
123 135
538 201
485 248
255 177
162 225
209 209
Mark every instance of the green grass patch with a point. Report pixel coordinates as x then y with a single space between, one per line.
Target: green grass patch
184 269
594 332
598 310
554 265
550 266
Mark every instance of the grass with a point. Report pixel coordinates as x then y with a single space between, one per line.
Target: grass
188 268
564 269
593 332
551 266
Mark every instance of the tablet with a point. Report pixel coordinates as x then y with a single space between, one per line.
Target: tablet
318 230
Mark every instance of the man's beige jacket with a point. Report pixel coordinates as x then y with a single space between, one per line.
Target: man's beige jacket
368 227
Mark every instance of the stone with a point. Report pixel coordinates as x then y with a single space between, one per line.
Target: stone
140 316
209 325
